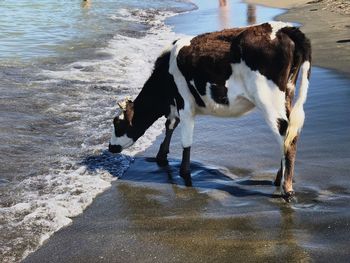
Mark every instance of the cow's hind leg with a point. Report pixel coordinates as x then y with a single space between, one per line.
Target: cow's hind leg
289 156
275 113
282 126
286 171
162 156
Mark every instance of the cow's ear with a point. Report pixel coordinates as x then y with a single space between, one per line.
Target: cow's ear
129 111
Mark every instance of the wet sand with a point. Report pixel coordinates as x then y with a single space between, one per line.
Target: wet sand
228 216
232 213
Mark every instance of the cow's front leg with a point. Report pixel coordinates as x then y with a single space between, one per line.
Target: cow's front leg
185 170
187 125
162 156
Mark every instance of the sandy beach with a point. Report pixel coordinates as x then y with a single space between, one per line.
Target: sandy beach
233 212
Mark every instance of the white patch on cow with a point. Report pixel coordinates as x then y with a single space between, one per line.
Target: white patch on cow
176 49
290 86
167 49
297 114
277 25
245 90
238 100
263 93
186 114
172 124
124 141
304 83
121 116
179 79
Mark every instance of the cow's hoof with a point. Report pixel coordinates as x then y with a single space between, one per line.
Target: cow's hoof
289 196
162 162
187 178
188 182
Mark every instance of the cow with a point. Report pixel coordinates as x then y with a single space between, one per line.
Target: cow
226 73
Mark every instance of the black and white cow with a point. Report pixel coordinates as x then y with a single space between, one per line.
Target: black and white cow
226 73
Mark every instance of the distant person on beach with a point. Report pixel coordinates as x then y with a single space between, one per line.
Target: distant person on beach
251 15
86 3
224 14
222 2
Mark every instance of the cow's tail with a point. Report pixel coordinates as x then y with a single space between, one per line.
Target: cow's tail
301 63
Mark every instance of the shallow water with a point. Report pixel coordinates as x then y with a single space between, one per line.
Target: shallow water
150 216
50 28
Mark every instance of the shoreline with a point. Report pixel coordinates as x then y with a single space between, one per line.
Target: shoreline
326 25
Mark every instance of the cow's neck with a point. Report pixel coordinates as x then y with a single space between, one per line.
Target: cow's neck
146 112
155 97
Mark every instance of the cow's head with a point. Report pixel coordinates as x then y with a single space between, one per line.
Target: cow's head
122 128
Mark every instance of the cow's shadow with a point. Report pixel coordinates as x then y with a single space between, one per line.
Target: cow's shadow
236 181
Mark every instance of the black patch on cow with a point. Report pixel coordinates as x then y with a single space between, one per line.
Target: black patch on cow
282 125
200 85
195 94
236 51
219 94
120 127
157 94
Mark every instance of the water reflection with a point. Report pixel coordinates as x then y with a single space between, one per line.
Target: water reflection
288 240
175 219
224 14
86 4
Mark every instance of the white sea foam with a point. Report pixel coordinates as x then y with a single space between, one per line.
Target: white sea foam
46 203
